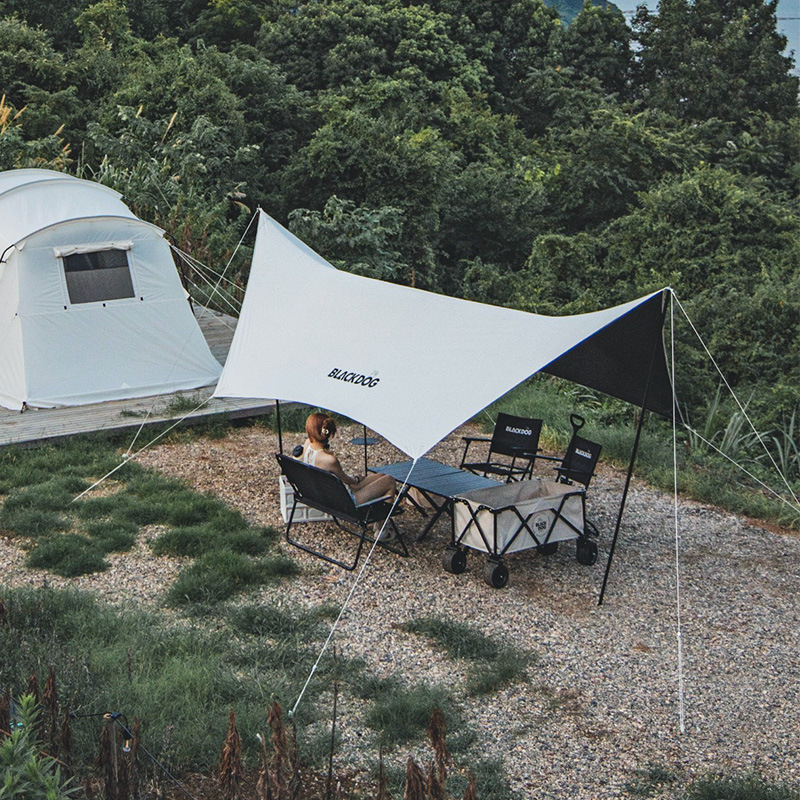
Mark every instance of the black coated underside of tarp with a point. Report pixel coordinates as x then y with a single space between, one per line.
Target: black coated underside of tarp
617 359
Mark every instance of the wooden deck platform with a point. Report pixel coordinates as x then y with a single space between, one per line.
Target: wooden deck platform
40 425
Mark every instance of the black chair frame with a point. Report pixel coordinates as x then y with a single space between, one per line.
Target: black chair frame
516 438
324 491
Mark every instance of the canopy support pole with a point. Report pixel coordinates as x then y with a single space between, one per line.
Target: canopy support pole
622 505
278 420
634 453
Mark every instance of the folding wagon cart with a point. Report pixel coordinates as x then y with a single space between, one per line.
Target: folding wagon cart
537 513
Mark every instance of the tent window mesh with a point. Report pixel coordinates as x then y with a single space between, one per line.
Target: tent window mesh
99 276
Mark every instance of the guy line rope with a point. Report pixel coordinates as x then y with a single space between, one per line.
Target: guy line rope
350 594
128 455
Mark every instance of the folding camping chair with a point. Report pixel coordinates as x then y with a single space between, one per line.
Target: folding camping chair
324 491
580 460
577 466
515 438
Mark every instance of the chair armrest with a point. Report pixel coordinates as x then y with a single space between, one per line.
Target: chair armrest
386 498
521 452
469 439
550 458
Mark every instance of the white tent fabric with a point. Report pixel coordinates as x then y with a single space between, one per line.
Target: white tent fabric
63 341
409 364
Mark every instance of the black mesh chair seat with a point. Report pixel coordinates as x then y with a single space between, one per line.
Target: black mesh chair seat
324 491
512 449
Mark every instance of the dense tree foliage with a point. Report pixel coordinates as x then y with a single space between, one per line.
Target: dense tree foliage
484 149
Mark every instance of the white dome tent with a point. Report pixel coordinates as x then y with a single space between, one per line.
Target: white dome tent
91 305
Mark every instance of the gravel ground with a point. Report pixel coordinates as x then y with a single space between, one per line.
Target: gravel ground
601 702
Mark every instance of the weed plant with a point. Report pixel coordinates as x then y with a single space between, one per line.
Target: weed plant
492 665
650 781
183 404
26 771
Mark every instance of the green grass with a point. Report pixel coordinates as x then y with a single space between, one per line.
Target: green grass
198 540
277 622
401 715
185 677
739 788
219 574
70 555
493 665
650 781
113 535
71 537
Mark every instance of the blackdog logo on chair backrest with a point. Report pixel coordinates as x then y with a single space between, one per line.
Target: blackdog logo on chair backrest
582 453
519 431
354 377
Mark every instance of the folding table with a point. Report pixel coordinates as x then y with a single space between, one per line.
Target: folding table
438 483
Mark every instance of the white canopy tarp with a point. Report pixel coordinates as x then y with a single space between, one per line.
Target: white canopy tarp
409 364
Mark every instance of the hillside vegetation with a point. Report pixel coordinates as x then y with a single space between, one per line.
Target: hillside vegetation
484 150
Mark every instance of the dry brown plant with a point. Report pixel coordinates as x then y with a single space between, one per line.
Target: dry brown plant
415 781
437 733
435 785
229 774
470 793
50 713
263 791
66 742
33 688
382 791
107 759
280 752
5 713
133 759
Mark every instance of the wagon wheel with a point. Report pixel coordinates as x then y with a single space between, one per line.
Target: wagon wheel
586 552
548 549
495 574
454 560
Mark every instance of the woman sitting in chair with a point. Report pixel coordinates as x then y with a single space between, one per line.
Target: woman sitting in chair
320 429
